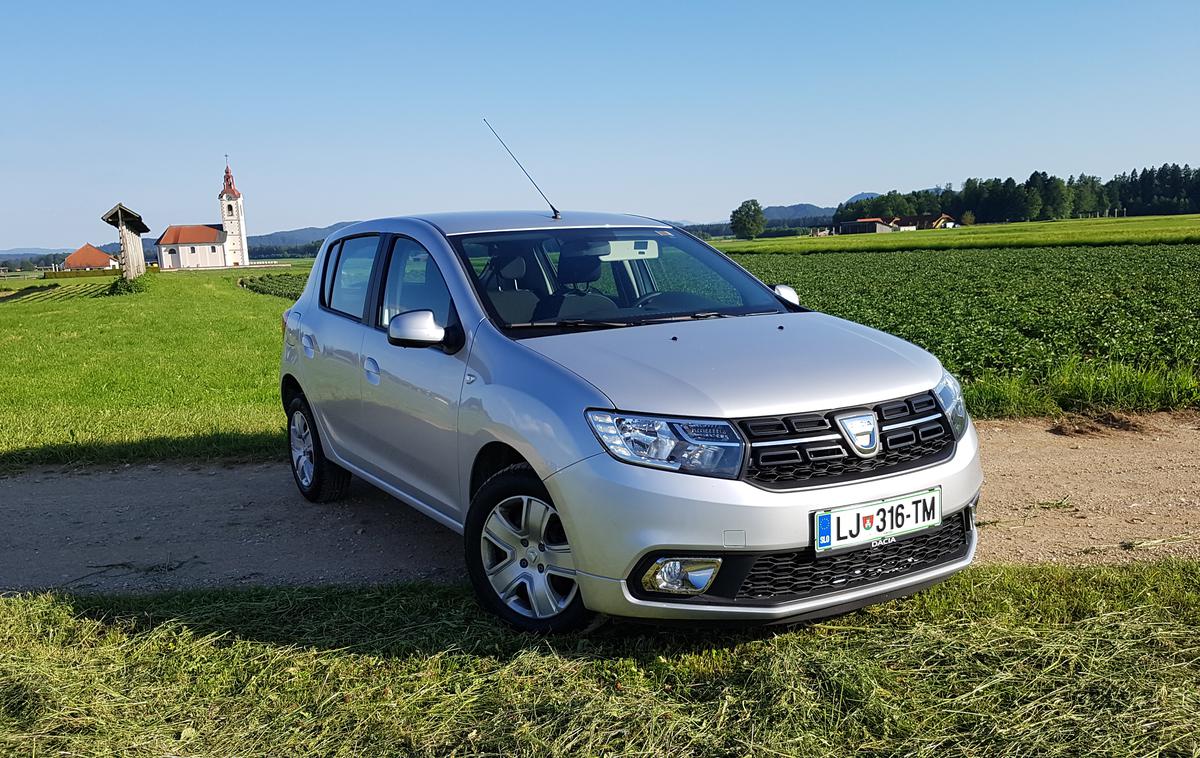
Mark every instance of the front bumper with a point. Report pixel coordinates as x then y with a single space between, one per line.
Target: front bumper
617 514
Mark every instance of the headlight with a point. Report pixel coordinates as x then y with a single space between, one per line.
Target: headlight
950 397
708 448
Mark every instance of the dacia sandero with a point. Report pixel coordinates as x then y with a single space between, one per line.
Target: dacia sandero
620 419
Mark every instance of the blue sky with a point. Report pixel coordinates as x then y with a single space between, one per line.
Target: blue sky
351 110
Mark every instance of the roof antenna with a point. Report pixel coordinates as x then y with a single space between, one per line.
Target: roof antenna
557 215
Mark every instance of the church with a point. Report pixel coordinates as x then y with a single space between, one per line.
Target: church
208 245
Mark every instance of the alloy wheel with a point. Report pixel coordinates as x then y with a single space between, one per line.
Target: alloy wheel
300 438
526 557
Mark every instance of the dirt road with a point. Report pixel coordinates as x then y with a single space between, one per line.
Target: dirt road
1099 493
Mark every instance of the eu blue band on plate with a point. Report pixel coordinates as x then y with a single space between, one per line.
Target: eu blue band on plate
824 529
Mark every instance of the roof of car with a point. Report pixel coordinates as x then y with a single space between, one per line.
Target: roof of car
467 222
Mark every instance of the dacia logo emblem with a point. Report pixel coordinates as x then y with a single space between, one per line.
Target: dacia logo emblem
861 431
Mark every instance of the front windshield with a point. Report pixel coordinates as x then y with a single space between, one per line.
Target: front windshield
610 277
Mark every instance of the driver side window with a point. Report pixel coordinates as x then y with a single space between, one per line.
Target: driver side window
414 283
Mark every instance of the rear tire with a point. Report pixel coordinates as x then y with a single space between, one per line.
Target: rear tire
518 558
318 478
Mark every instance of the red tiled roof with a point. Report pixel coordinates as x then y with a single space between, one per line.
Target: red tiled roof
868 220
192 234
230 189
88 257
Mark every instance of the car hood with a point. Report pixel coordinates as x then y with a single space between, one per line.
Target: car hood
743 366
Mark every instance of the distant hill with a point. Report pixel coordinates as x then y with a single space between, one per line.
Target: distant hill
797 211
31 252
294 237
862 196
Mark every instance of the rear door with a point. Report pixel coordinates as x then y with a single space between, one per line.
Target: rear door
332 338
410 395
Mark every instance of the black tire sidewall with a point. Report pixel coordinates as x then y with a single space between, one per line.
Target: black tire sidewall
513 481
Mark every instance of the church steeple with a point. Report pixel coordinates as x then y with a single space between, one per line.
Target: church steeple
233 221
230 189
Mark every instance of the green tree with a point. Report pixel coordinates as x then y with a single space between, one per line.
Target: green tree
968 218
748 220
1056 200
1033 202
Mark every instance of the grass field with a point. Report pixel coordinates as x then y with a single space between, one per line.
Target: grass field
188 369
185 369
56 291
999 661
1139 230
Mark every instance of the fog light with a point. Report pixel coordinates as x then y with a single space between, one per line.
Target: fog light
681 576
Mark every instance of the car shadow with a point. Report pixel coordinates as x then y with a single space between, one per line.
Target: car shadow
410 619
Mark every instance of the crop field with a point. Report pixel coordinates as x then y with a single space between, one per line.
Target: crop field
1139 230
288 286
998 661
1030 330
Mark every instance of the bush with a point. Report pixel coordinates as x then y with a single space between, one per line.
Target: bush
71 274
123 286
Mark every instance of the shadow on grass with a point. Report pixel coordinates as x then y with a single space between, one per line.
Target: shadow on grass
394 621
222 445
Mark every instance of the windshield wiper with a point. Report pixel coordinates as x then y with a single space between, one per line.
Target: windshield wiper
575 323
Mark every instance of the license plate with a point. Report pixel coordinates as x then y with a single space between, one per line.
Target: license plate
877 523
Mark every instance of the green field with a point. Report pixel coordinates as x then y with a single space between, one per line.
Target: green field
1138 230
999 661
1030 330
189 368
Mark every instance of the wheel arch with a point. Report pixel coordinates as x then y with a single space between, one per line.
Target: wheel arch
289 388
492 458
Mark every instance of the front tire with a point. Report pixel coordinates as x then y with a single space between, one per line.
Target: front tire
318 478
518 557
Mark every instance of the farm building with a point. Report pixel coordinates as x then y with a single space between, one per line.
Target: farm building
876 225
88 258
208 245
923 221
864 226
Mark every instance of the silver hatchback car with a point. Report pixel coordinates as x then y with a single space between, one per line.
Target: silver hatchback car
620 419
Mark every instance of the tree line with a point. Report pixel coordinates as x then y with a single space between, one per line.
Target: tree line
1168 189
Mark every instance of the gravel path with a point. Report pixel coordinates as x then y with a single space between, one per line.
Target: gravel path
1098 493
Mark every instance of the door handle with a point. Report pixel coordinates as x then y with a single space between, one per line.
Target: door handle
309 345
371 370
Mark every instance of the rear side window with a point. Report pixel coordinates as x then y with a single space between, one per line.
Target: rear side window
349 276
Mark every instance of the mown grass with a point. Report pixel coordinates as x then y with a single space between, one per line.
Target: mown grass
1140 230
1032 331
999 661
187 369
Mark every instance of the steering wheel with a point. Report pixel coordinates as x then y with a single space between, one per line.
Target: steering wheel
645 300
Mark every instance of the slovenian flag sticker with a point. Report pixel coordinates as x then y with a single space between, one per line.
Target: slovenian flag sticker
824 529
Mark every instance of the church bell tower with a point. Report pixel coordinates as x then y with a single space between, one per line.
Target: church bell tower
233 220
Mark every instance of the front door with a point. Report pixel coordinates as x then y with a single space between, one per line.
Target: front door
410 395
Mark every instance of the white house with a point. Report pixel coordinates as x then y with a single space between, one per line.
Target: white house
209 245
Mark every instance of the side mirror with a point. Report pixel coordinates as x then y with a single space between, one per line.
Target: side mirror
415 329
787 293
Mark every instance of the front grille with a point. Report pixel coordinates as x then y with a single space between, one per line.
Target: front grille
807 450
786 577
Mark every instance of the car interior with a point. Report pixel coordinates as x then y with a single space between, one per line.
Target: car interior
542 279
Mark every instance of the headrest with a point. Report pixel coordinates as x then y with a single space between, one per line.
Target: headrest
578 269
513 268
